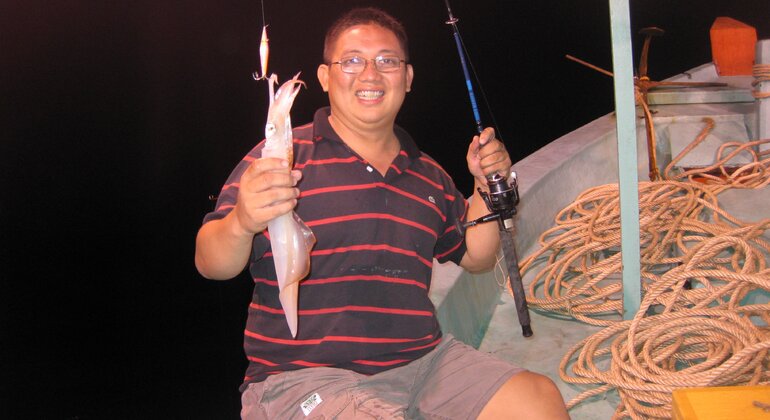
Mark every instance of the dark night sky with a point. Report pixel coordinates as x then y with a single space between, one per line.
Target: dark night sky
120 118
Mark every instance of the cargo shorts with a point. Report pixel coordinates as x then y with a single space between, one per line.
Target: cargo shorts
454 381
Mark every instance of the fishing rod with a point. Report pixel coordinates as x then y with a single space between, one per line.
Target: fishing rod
501 200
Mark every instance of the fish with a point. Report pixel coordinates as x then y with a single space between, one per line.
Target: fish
290 238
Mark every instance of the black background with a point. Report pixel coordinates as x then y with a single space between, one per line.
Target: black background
119 119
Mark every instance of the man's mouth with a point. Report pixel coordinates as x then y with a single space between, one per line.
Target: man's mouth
369 94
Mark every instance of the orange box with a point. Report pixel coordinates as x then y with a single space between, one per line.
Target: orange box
733 46
721 403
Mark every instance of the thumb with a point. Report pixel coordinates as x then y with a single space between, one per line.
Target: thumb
486 136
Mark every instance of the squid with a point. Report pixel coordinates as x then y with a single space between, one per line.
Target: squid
290 238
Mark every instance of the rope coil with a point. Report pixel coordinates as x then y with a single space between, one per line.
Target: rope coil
682 336
761 74
699 267
653 355
579 260
720 174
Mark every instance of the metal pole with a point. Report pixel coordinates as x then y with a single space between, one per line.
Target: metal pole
625 109
763 103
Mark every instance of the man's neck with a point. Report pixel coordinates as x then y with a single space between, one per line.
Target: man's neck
379 147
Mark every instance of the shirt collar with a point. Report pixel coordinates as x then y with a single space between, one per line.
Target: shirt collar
322 130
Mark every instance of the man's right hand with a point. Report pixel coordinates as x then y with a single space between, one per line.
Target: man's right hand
267 190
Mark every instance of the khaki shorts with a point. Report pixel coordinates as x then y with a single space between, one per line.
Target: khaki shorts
454 381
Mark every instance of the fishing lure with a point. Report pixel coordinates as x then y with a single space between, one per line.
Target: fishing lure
264 55
290 239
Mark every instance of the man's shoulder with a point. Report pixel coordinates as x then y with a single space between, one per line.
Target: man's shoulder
316 129
303 132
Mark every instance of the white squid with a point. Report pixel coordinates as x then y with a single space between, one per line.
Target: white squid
290 239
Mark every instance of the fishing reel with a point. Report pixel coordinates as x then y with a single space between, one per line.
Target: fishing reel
501 200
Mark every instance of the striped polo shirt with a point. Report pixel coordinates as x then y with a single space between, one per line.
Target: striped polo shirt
364 305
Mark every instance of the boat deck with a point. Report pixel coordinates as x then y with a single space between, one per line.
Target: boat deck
554 336
474 308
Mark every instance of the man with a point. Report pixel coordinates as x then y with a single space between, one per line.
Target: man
368 342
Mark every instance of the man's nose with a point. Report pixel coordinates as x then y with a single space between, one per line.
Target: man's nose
370 70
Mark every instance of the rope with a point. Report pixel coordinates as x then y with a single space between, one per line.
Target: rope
752 175
697 335
641 99
761 74
578 266
653 355
707 341
698 266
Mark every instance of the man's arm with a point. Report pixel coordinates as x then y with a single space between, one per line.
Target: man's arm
266 191
482 241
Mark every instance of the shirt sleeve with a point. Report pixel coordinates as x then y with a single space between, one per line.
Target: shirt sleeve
450 246
228 196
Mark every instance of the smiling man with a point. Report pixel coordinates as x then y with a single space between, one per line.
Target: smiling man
367 85
368 343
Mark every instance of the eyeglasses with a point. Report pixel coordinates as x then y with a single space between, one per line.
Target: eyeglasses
383 64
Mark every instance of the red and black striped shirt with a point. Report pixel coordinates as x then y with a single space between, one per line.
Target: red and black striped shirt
364 306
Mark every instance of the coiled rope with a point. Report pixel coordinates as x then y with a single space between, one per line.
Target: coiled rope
698 266
755 174
761 74
579 259
691 330
653 355
704 339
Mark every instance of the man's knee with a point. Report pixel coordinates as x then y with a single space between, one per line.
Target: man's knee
526 395
543 385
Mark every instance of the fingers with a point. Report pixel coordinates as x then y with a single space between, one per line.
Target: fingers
487 135
480 140
267 190
487 155
260 166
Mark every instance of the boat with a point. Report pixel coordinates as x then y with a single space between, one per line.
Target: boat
479 310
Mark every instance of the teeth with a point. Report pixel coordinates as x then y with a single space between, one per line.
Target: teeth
369 94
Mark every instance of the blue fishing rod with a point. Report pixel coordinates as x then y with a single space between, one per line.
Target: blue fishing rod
501 200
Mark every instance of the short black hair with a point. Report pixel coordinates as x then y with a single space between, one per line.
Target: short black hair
365 16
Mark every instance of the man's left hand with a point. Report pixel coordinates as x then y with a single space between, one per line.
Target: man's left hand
487 155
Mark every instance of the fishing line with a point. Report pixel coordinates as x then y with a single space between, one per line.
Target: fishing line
262 3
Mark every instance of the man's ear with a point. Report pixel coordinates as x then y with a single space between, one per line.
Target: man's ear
323 76
409 77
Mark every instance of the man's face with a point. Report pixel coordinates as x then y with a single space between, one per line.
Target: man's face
370 99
